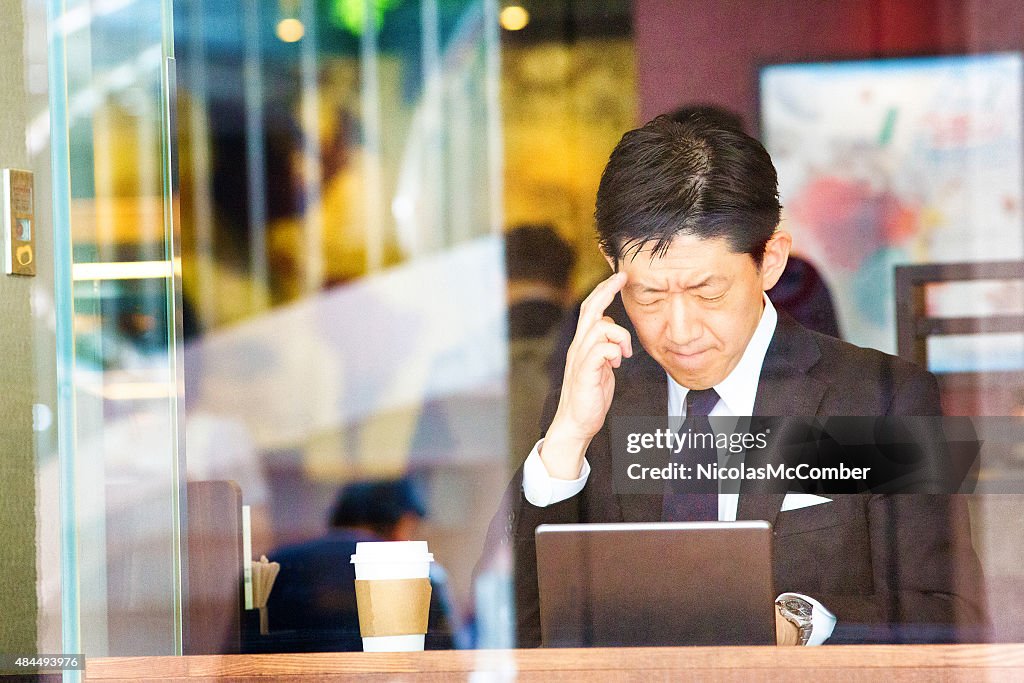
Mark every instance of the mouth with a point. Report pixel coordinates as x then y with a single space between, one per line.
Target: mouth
688 356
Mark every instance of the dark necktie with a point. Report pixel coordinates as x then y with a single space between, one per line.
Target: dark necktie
694 500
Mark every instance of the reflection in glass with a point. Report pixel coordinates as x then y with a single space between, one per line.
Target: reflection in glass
123 277
341 204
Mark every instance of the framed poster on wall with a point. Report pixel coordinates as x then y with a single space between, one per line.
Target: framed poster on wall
888 162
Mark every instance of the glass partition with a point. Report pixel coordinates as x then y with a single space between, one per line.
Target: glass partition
119 355
342 209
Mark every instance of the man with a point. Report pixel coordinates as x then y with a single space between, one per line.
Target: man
687 218
312 606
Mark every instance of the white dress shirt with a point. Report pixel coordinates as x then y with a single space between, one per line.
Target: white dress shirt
736 398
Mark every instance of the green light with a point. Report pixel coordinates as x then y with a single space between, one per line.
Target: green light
349 13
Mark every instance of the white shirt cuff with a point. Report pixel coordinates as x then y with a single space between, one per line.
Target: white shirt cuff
541 489
822 620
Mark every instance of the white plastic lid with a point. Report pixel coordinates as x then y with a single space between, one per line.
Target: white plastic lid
392 551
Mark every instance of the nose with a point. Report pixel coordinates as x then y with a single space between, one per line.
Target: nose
684 325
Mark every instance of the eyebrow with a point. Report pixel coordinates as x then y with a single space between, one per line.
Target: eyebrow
706 282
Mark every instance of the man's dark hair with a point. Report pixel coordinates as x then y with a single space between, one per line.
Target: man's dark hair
691 177
376 505
538 252
719 116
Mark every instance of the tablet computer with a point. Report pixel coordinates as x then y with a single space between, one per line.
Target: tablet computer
658 583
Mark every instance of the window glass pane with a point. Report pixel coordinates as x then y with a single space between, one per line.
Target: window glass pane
123 461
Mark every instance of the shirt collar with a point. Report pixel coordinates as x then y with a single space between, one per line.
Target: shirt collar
739 388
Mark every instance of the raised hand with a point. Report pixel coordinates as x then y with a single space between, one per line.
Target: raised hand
588 385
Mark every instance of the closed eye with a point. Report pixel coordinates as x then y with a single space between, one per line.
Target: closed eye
647 297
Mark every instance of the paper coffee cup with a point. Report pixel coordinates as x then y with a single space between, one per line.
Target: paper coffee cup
392 594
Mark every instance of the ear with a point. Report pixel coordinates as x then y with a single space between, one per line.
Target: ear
776 254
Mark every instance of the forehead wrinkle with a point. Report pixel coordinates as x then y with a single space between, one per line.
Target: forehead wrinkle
655 282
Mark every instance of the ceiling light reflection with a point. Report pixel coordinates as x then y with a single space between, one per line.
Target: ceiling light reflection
290 30
514 18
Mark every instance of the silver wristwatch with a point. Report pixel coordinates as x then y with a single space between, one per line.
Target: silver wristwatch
796 611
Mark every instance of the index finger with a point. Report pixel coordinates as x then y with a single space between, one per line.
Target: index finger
592 308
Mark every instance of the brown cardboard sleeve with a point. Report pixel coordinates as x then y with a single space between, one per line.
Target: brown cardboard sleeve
392 607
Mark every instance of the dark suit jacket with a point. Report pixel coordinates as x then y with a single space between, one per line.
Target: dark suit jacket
893 568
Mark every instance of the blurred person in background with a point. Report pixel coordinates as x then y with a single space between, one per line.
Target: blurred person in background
312 606
539 265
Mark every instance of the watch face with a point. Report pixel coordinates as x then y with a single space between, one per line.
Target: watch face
797 607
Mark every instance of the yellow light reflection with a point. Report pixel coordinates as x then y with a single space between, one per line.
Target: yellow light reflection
127 270
290 30
514 18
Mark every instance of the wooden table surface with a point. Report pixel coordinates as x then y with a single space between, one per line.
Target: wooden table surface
892 663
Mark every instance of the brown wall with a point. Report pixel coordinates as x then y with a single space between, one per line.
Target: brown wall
17 377
711 50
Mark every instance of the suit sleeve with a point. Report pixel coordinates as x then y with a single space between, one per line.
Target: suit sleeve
927 578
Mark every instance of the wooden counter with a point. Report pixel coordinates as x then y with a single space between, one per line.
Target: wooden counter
891 663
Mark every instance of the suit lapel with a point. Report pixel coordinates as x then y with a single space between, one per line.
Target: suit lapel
785 389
